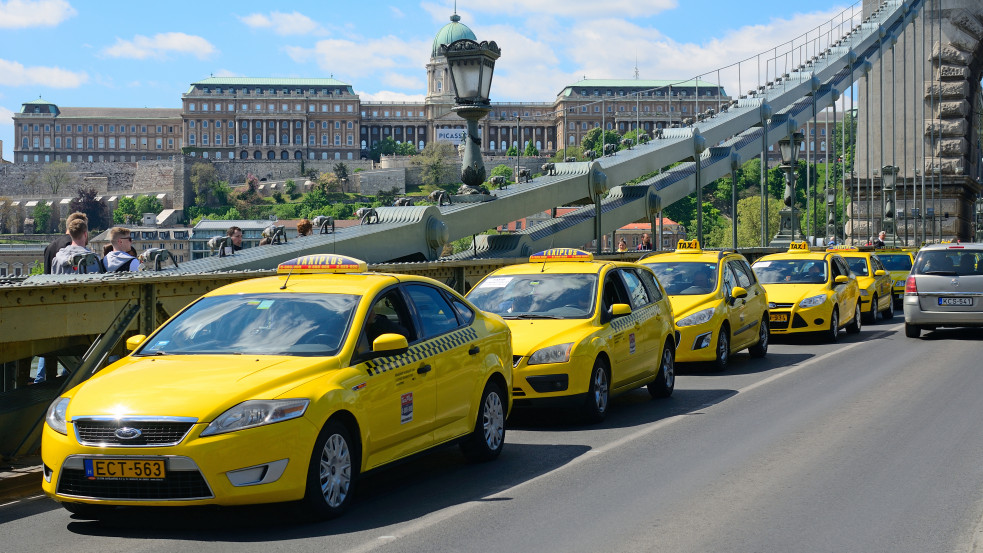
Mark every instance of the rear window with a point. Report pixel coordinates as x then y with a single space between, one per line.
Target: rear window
949 262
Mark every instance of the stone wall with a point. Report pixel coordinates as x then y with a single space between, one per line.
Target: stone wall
235 171
371 183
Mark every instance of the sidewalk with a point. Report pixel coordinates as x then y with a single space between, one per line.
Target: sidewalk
20 478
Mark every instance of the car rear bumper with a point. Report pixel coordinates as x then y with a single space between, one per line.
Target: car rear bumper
914 314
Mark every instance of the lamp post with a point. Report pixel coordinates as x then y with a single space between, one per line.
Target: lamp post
472 64
789 148
889 175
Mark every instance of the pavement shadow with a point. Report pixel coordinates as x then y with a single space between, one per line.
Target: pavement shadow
962 334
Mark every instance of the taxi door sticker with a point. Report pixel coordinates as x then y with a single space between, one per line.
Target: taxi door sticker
406 412
631 343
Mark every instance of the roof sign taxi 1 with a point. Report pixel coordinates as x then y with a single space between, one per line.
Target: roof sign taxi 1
692 246
561 254
798 247
322 263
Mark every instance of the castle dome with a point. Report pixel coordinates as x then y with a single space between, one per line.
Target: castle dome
455 30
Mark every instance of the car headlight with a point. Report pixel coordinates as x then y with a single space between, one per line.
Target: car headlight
864 293
699 317
559 353
250 414
813 301
56 415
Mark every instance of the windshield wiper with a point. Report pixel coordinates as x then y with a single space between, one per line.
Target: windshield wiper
944 273
534 316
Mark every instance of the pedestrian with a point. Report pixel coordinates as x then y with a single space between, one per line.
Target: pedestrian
646 243
879 241
622 245
120 259
235 233
78 230
305 227
61 241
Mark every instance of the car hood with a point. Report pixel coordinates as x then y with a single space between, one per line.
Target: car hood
792 293
200 386
531 335
684 305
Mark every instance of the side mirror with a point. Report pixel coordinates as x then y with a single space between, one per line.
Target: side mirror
738 292
880 272
388 344
133 342
620 310
841 279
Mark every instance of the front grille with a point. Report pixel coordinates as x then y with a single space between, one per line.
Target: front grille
783 306
152 432
178 485
778 325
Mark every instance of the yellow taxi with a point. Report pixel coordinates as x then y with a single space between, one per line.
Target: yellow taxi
898 263
720 306
284 388
809 292
582 330
874 282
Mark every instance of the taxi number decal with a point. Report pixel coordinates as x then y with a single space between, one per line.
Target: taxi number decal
406 411
496 282
631 343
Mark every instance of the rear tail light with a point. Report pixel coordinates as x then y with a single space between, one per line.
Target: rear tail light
909 285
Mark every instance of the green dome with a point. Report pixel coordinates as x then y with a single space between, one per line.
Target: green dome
455 30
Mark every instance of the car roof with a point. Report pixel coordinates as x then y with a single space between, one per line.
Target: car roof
561 267
953 246
344 283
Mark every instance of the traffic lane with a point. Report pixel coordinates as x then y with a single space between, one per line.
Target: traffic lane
864 451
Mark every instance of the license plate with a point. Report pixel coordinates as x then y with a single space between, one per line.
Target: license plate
955 301
778 317
130 469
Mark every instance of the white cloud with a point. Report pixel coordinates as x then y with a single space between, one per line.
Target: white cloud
227 73
19 14
362 58
159 46
294 23
389 96
6 117
398 13
15 74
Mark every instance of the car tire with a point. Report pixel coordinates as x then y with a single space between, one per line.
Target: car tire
760 349
488 437
855 324
912 331
598 392
665 381
871 315
332 472
888 313
834 326
723 350
89 511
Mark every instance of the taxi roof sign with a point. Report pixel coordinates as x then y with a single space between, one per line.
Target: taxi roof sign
322 263
692 246
561 254
843 249
798 247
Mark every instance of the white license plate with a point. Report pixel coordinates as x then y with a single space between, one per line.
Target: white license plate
955 301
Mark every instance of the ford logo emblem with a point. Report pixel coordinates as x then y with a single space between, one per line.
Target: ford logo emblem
127 433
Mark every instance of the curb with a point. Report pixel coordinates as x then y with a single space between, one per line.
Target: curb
21 478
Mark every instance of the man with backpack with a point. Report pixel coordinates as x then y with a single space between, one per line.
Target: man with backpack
76 258
120 259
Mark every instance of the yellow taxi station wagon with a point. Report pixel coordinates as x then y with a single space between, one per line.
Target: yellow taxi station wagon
720 306
582 329
284 388
809 291
876 287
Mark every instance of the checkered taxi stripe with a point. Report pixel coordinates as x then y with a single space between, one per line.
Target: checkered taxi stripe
423 350
641 315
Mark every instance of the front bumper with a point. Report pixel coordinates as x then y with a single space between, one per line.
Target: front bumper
550 384
799 319
697 343
258 465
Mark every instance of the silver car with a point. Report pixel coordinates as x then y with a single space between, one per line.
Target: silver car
944 288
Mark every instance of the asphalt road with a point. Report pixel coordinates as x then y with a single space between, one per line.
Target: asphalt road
870 445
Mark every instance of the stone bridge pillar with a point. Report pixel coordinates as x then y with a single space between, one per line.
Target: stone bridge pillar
937 108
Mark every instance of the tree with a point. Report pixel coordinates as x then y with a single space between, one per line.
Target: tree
57 175
290 187
314 200
42 217
387 197
433 163
512 151
206 186
126 211
388 147
97 210
592 140
502 171
530 150
148 204
340 170
6 213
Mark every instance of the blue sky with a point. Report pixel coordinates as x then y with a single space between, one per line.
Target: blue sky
112 53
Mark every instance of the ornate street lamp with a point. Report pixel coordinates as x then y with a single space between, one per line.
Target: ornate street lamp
889 175
789 148
472 64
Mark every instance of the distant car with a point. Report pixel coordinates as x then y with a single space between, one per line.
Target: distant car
719 305
898 263
809 291
945 288
282 388
582 330
873 280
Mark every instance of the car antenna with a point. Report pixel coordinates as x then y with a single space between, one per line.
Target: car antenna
284 287
543 268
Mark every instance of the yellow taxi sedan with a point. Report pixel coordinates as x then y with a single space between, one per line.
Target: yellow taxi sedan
874 282
898 263
582 330
283 388
720 306
809 292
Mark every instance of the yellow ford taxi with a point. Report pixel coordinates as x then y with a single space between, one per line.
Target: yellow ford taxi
284 388
720 306
809 292
874 282
582 330
898 263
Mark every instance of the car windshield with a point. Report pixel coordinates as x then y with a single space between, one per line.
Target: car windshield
895 261
686 278
949 262
553 296
858 265
791 271
258 324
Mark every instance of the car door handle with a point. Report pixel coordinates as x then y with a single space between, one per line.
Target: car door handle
474 350
423 370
